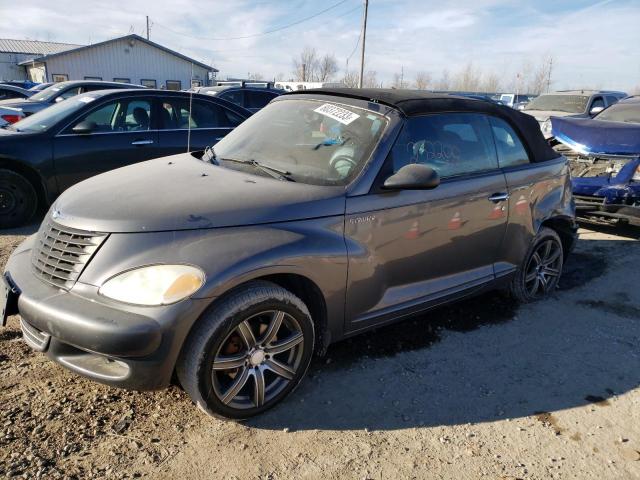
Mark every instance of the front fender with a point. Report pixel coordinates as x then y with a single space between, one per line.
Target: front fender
231 256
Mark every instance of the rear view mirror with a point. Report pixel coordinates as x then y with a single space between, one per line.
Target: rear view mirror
595 110
414 176
84 128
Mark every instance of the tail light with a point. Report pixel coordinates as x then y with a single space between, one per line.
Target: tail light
636 175
11 118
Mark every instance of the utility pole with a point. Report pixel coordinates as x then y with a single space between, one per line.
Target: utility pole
147 27
364 38
549 76
304 72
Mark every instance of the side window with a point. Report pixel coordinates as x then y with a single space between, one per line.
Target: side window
597 102
451 143
234 96
72 92
175 114
510 149
10 94
611 99
138 116
104 117
257 99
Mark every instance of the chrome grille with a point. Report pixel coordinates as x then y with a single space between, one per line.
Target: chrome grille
61 253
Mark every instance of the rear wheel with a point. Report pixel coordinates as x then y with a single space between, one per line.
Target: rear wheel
539 274
247 353
18 199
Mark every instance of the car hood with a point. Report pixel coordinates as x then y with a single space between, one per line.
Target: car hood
24 105
588 136
183 193
543 115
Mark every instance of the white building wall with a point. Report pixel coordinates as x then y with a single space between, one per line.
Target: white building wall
9 68
126 58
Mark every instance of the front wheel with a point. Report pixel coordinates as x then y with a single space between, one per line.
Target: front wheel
18 199
248 352
539 273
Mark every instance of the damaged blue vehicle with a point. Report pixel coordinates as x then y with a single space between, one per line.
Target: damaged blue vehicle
604 155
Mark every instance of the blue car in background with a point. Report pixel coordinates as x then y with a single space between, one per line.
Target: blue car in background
604 154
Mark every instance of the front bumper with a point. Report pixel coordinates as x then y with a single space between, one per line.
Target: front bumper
125 346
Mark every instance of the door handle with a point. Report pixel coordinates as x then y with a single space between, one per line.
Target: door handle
142 142
499 197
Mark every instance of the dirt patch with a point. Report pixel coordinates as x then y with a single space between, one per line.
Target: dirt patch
548 420
418 399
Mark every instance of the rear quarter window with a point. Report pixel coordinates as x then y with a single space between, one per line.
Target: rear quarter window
511 151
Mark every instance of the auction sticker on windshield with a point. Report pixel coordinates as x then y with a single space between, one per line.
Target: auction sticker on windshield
342 115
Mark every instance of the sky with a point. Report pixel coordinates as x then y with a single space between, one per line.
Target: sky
594 44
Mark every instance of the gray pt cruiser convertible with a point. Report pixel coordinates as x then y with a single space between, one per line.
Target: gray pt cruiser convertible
327 213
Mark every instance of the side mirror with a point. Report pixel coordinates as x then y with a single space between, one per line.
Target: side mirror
414 176
84 128
58 99
595 110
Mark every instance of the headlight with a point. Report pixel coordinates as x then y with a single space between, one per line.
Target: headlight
154 285
546 127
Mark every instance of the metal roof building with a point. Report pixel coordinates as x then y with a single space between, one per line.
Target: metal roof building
12 52
129 59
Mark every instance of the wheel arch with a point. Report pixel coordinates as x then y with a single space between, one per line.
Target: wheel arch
301 286
566 229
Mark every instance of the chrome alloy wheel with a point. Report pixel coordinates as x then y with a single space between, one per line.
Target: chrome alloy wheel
544 268
257 359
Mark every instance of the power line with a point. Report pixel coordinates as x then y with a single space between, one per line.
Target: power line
253 35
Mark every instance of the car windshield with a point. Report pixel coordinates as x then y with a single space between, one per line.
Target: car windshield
621 112
559 103
315 142
48 117
46 94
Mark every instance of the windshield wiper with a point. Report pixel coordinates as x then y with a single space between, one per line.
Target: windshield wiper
268 169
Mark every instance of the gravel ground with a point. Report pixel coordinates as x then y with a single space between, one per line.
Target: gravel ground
481 389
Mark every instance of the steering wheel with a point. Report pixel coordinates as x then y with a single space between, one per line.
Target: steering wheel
342 161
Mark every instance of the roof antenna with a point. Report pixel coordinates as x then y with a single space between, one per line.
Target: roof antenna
190 103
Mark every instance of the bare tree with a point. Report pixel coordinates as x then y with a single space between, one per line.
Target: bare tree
399 81
491 83
540 80
327 68
350 79
306 65
423 80
468 80
254 76
445 81
370 79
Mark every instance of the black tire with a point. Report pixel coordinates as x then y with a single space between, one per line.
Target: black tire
540 271
18 199
222 329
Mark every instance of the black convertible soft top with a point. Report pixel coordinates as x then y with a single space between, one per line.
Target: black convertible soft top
417 102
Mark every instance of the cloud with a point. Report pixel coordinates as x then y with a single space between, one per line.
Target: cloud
592 43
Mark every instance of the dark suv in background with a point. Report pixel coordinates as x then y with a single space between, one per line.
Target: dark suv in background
252 96
323 215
